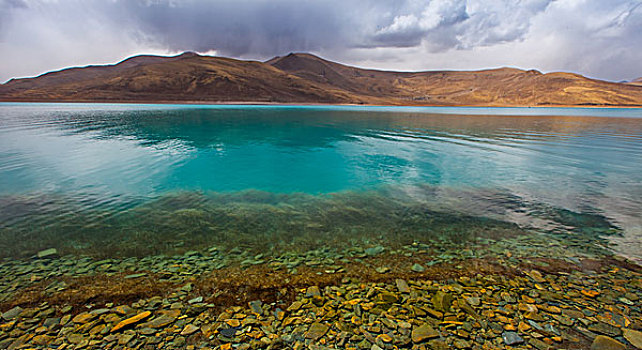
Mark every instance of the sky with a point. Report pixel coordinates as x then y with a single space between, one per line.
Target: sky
597 38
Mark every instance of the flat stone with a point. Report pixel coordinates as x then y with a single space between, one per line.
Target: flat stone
42 340
605 328
256 306
538 344
536 276
189 329
130 321
228 332
473 301
126 338
602 342
99 312
159 322
295 306
51 322
316 331
417 268
423 332
512 338
47 253
402 286
634 337
442 301
388 297
195 300
312 291
83 318
75 338
375 250
13 313
123 310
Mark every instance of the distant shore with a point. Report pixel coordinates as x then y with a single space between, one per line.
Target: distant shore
267 103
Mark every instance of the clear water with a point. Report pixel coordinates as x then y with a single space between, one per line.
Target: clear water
80 176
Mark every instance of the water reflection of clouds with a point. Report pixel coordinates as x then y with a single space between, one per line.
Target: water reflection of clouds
50 163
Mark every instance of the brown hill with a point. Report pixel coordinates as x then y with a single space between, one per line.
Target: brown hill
305 78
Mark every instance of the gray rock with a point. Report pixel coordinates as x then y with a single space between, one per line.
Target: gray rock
512 338
13 313
195 300
256 306
418 268
375 250
402 286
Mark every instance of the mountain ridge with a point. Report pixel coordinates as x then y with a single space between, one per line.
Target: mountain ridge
306 78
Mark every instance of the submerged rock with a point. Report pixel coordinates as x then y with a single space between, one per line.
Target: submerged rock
512 338
13 313
47 253
130 321
634 337
316 331
423 332
375 250
602 342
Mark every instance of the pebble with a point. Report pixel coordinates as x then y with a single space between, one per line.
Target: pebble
423 332
256 306
634 337
418 268
13 313
189 330
512 338
402 286
312 291
602 342
316 331
195 300
374 250
47 253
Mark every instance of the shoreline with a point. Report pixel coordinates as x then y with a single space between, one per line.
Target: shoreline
264 103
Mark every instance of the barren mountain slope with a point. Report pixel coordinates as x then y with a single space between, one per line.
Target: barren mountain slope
305 78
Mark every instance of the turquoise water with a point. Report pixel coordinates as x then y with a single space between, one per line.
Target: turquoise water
84 171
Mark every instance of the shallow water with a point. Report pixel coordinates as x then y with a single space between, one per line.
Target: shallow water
152 179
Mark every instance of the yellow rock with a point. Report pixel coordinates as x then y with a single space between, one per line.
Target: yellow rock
528 299
590 293
233 322
132 320
83 317
523 327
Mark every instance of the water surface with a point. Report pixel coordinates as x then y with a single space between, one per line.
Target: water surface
142 179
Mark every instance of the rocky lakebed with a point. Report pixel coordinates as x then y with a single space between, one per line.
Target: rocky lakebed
534 291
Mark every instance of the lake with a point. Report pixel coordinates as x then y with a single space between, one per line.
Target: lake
118 180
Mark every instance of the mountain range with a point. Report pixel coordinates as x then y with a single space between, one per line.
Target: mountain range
305 78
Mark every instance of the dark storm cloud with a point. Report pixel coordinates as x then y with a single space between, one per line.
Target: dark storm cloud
246 27
264 28
595 37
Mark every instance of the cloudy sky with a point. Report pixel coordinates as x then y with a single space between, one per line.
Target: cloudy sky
597 38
